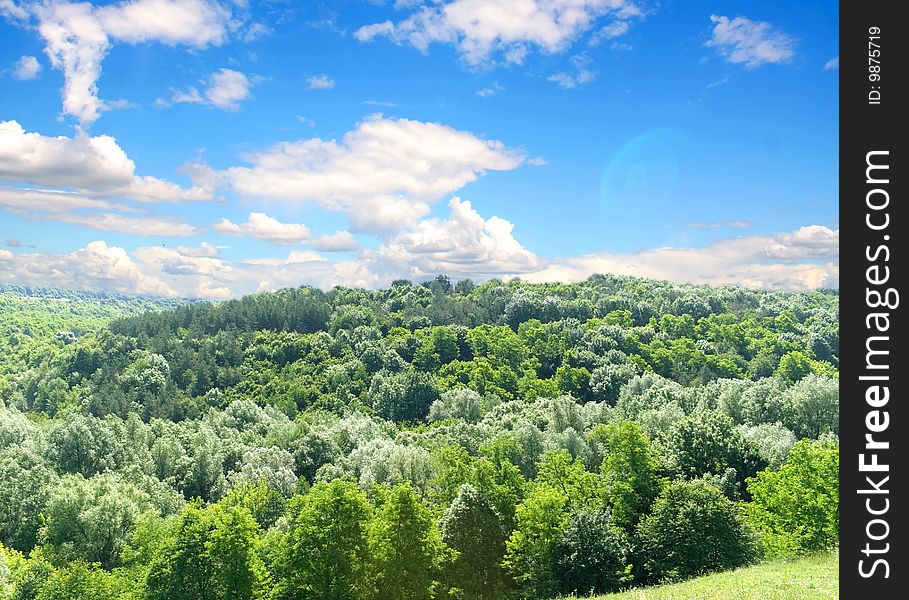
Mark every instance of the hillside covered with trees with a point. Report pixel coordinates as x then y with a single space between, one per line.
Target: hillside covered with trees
436 440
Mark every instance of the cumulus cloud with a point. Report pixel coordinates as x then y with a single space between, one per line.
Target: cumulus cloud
569 81
464 245
479 28
225 89
26 68
263 227
97 266
319 82
751 43
384 174
833 64
13 11
78 36
805 259
93 166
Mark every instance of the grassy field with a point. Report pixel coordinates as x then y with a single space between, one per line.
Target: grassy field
805 578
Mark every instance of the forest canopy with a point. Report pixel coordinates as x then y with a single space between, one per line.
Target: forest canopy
429 440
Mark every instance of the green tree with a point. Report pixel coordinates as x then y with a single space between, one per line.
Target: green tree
77 581
471 526
531 551
591 555
693 529
184 569
796 509
91 519
403 396
405 547
707 443
326 555
628 469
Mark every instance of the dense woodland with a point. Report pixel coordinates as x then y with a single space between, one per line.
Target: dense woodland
432 440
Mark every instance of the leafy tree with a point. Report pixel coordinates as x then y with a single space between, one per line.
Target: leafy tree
812 407
78 581
326 554
532 549
91 519
592 555
405 547
693 529
706 442
25 487
628 469
796 509
403 396
472 527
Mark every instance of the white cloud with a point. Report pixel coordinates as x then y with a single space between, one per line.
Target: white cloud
26 68
752 43
225 89
569 81
29 200
801 260
833 64
319 82
492 90
78 37
143 226
94 166
381 103
256 31
12 11
479 28
613 30
263 227
464 245
384 174
203 250
97 266
306 121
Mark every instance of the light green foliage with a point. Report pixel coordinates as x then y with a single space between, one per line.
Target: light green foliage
405 547
78 580
796 509
629 470
532 548
26 482
211 555
91 519
326 554
707 443
812 407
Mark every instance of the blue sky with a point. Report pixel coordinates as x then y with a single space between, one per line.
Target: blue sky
191 147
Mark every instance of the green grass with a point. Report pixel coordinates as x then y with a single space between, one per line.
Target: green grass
804 578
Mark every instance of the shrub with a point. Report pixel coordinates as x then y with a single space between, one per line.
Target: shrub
693 529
